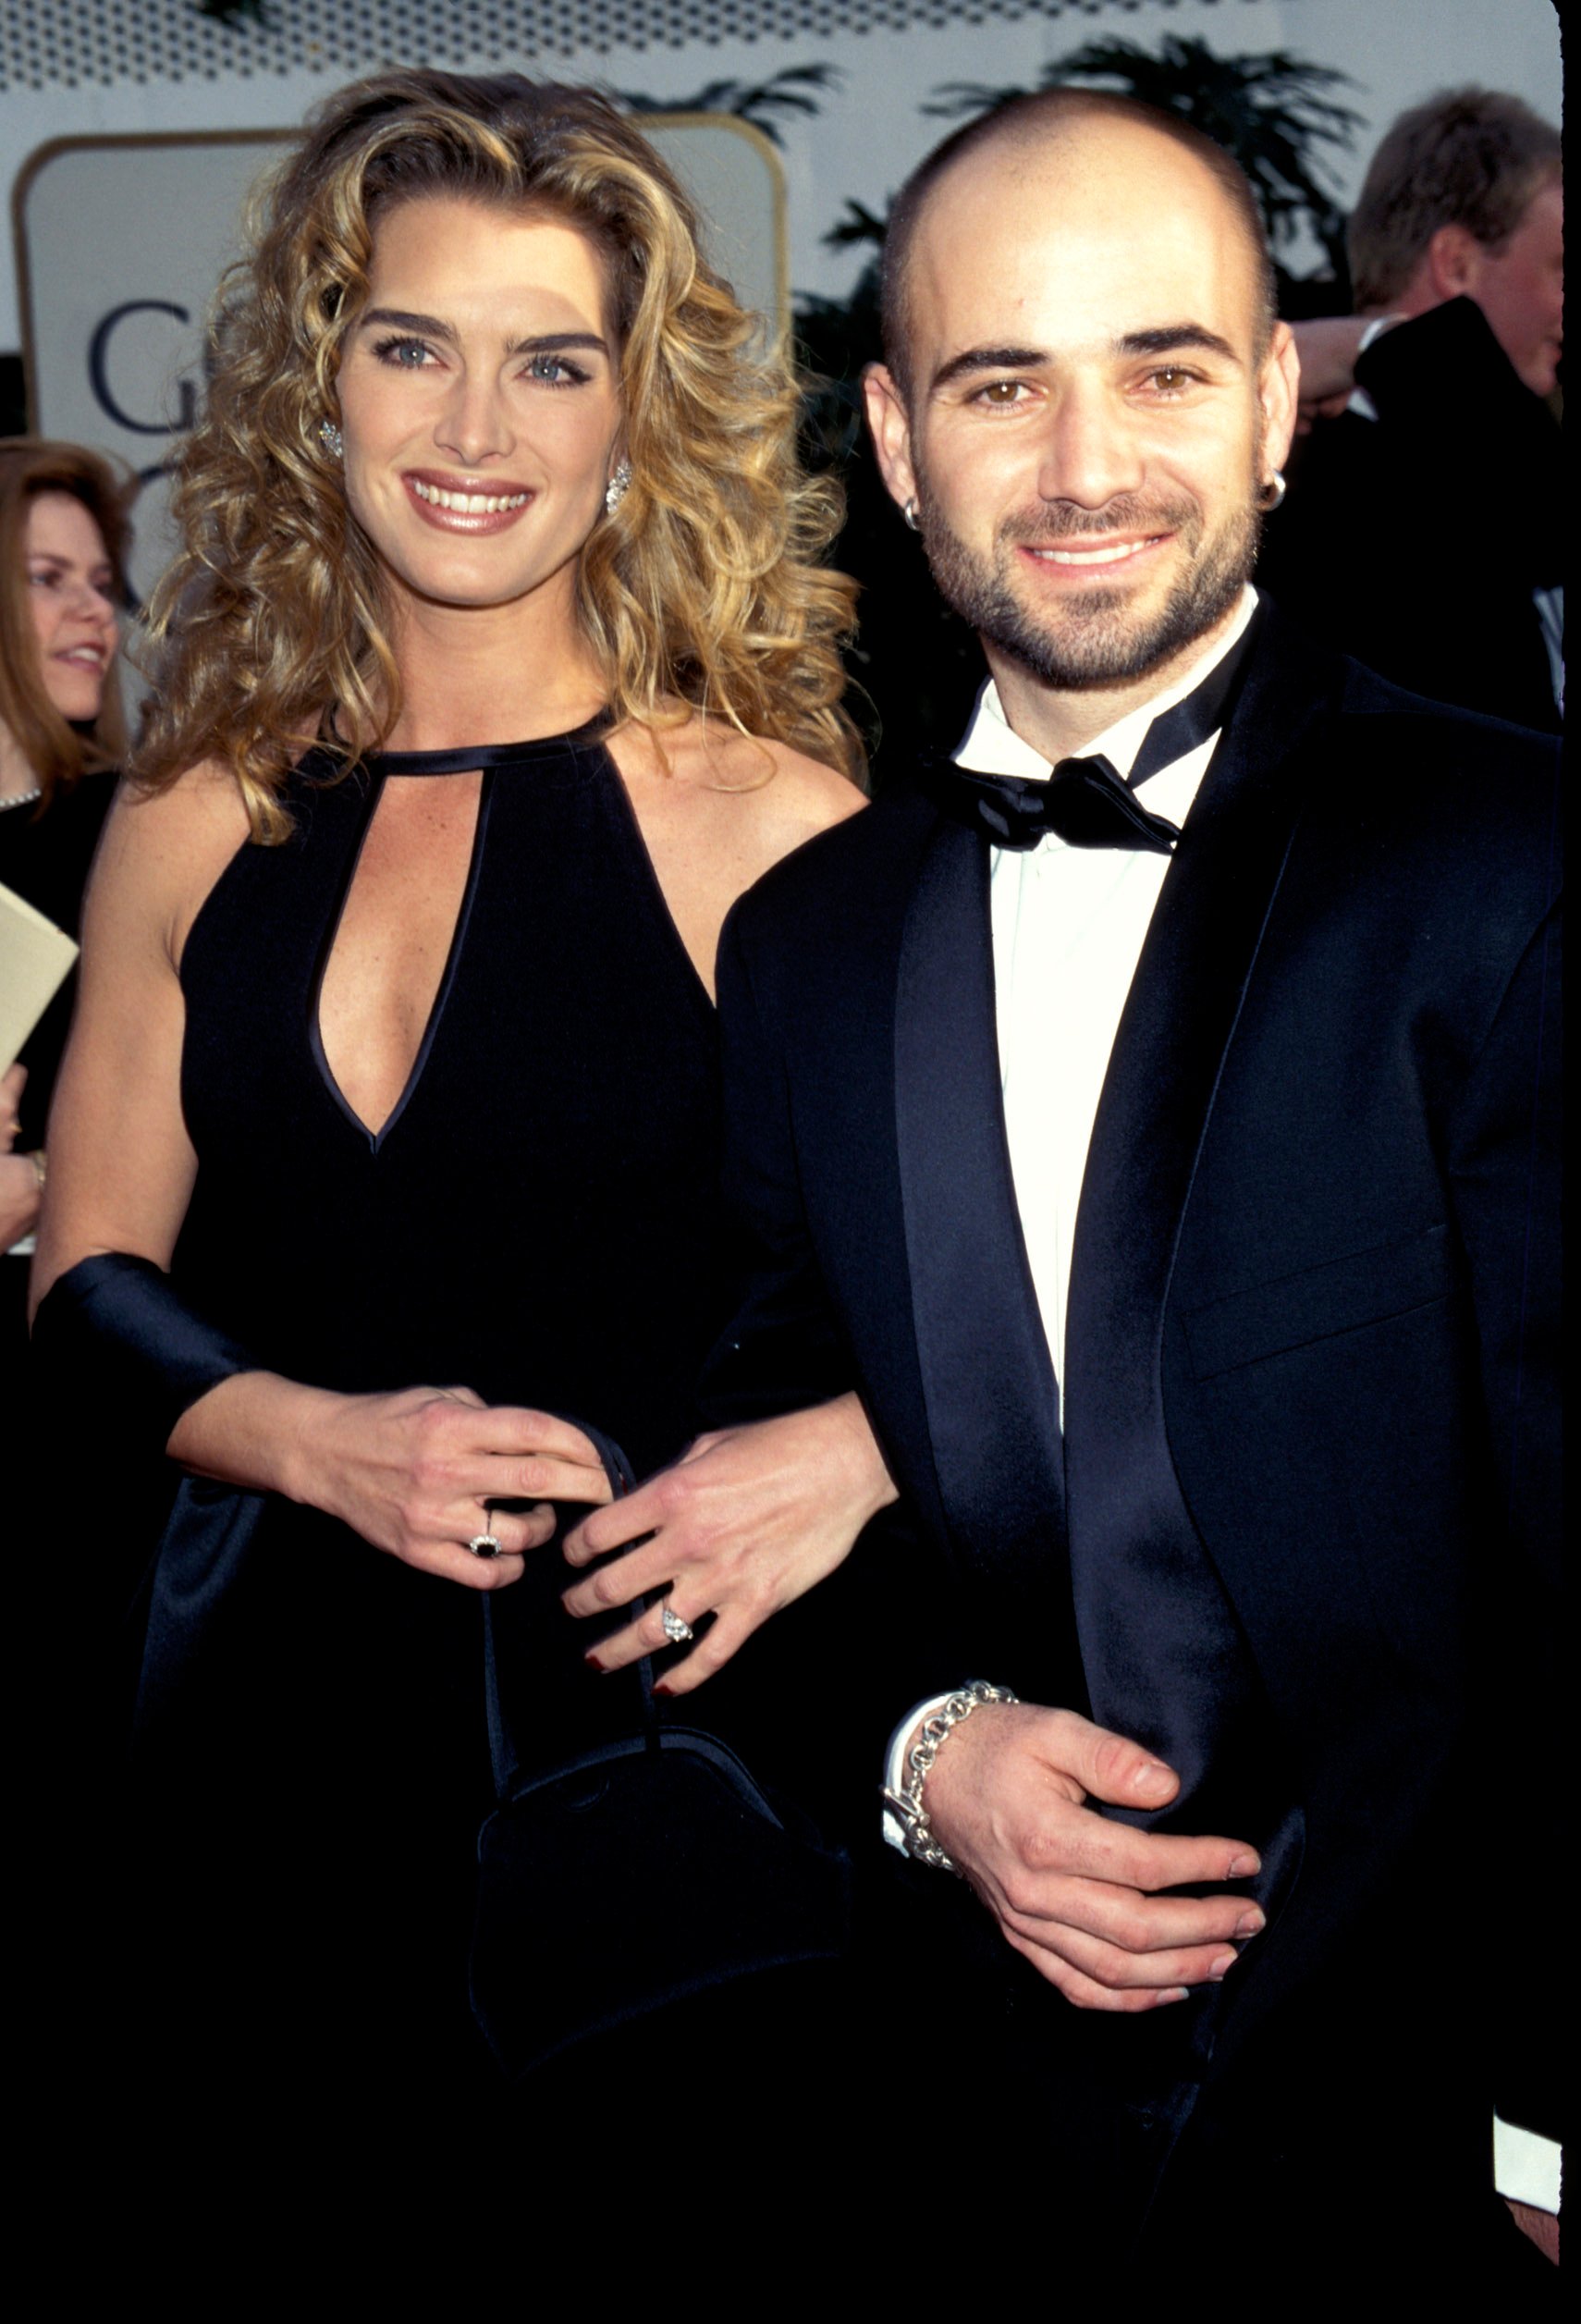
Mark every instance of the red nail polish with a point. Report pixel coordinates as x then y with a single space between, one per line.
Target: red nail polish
660 1688
594 1664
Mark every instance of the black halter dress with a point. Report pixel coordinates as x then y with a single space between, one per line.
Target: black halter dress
537 1220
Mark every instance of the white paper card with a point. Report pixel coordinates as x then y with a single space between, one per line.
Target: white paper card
35 960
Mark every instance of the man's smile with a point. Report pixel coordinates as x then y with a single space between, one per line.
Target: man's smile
1107 553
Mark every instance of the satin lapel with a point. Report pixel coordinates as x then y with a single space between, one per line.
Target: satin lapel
987 1379
1159 1092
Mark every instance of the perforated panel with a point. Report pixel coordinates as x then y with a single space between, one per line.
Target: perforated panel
45 43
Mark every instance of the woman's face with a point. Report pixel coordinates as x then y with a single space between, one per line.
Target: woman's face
72 586
480 402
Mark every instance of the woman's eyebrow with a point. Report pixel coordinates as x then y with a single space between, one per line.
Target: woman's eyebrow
397 319
556 342
535 343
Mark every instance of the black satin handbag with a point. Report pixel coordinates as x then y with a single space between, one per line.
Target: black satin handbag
633 1875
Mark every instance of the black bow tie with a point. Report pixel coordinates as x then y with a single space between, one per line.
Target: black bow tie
1085 802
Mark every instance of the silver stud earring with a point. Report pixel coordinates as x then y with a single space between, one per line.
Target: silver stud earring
329 436
620 484
1273 491
910 513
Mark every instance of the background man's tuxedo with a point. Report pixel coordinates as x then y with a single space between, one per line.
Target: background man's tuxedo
1458 443
1309 1359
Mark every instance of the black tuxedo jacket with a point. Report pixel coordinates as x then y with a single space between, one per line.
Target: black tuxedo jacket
1312 1289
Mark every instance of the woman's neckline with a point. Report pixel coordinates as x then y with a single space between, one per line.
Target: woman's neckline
471 756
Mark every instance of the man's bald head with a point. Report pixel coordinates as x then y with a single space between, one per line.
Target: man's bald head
1040 120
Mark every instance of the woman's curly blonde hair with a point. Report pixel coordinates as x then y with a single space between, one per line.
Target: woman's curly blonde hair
703 590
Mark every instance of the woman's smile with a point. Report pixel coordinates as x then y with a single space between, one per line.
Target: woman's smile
463 506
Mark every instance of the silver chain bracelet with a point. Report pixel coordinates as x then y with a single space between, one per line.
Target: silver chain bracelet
906 1806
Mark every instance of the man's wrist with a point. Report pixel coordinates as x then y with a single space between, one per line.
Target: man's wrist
912 1751
900 1742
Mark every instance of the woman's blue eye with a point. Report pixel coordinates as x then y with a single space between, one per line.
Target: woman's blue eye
415 354
555 371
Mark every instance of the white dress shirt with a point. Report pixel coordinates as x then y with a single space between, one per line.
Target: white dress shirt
1069 924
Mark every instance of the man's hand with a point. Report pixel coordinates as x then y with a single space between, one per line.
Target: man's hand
750 1519
1077 1894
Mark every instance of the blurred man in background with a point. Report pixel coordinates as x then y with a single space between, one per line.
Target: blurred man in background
1422 529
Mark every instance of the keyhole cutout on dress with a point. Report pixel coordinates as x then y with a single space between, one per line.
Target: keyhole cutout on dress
389 961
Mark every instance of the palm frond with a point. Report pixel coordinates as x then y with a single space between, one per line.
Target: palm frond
1273 110
859 224
798 90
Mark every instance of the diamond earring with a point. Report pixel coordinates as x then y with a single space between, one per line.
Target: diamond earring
615 491
329 436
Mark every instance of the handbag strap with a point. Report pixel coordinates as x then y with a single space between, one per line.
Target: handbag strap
504 1756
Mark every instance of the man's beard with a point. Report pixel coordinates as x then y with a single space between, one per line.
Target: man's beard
1091 639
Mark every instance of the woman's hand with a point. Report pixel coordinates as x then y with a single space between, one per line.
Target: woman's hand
749 1520
18 1199
18 1179
13 1081
414 1473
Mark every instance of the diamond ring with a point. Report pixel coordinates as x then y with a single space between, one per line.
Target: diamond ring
676 1630
485 1545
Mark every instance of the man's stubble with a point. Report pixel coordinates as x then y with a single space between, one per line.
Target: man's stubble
1092 642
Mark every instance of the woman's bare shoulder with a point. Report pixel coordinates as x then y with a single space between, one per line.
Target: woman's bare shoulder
815 795
778 793
198 808
164 849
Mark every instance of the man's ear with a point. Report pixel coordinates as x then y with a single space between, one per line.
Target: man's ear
1453 259
891 430
1279 396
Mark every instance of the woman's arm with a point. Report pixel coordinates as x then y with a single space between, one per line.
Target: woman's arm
123 1175
412 1472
